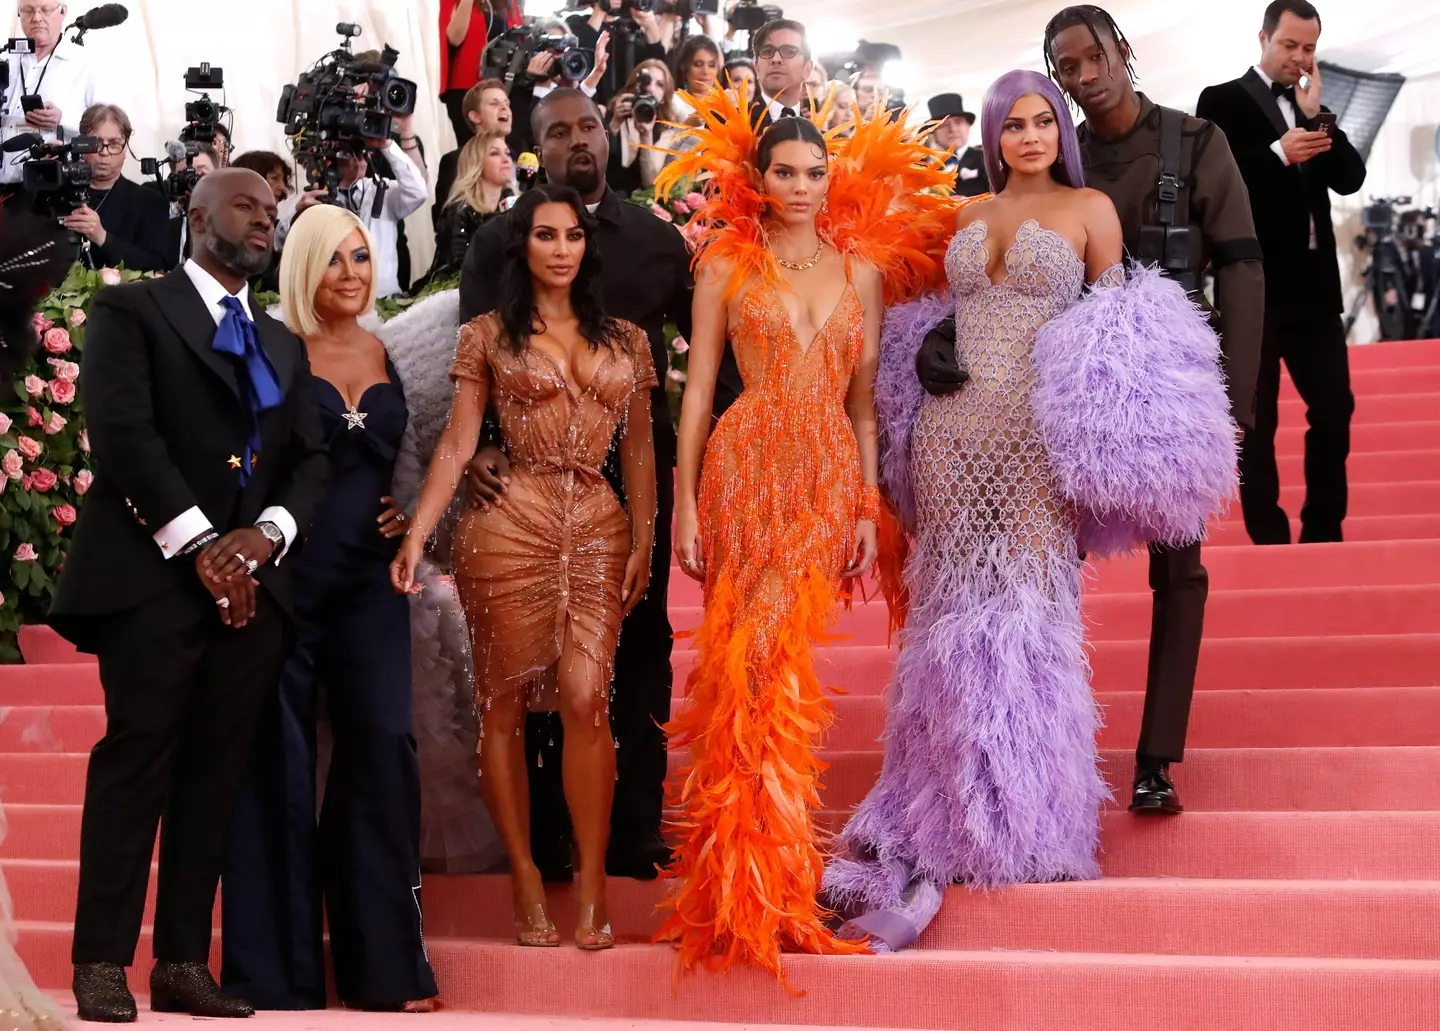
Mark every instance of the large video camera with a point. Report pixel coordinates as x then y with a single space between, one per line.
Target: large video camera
56 173
202 119
337 104
509 54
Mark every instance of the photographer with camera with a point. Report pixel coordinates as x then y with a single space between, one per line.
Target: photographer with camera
633 33
635 117
538 58
48 89
120 222
399 197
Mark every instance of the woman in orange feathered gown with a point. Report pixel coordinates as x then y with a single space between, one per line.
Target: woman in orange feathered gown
784 512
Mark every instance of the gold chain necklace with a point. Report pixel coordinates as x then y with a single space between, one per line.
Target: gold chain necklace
801 266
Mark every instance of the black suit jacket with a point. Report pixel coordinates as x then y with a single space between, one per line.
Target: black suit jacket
645 278
971 179
1284 198
165 415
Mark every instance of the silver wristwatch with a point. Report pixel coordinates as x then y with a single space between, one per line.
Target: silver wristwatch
273 535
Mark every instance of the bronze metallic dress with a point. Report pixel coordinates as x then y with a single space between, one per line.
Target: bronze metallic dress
549 559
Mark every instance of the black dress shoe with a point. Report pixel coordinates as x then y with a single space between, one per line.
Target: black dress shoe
102 994
1154 793
177 987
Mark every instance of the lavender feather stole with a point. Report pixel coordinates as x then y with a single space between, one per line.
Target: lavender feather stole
898 394
1130 401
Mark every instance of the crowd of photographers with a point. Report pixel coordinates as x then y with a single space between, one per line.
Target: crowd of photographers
65 145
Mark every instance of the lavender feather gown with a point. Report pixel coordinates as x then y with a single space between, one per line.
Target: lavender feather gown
990 773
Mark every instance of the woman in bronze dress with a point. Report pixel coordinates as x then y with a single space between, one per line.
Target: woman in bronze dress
546 573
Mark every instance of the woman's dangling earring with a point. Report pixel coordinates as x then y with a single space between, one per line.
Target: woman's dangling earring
825 205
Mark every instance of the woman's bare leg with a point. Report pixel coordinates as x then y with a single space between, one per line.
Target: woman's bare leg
589 775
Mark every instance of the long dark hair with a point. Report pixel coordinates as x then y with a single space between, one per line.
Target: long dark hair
517 289
687 53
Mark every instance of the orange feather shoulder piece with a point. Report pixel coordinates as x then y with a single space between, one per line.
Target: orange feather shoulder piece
888 201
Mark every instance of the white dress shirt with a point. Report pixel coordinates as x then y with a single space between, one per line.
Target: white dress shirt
775 107
404 195
1287 112
63 78
192 522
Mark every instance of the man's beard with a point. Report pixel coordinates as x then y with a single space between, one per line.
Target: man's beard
584 181
236 257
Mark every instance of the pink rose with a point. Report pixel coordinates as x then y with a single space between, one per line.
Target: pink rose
33 413
110 276
34 385
680 345
695 201
31 449
26 482
5 423
676 375
2 599
41 324
43 480
85 441
64 514
77 317
68 371
63 392
25 553
662 212
82 481
56 422
57 340
12 465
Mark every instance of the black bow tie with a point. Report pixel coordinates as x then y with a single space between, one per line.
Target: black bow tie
787 112
1281 90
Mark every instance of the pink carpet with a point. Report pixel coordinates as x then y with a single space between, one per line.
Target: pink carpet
1300 892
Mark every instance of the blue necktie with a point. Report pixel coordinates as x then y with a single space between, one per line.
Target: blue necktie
237 336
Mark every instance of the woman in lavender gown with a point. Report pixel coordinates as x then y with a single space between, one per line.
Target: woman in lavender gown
1078 380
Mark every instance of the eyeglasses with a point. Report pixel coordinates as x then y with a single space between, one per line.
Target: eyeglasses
788 53
35 13
110 147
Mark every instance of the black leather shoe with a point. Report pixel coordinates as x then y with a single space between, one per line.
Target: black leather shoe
102 994
188 988
1154 793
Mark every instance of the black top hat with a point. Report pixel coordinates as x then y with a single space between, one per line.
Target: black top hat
947 105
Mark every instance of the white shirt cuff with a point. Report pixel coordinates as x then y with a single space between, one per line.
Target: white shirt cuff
1279 150
181 530
588 90
283 519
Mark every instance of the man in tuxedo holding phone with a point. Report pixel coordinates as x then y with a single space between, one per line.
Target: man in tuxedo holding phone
210 462
1291 155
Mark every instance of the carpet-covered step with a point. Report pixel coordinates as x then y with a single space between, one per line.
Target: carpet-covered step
1394 354
1305 612
1241 567
1357 528
1374 408
1374 499
44 890
1265 778
1420 379
1373 466
1369 919
1240 663
957 991
1371 845
45 949
1367 438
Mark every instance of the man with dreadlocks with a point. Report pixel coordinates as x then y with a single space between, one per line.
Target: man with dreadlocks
1183 206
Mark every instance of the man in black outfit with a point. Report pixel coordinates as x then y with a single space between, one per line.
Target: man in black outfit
210 462
1292 154
968 163
645 274
782 63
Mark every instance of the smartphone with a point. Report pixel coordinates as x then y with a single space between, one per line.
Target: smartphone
31 102
1325 122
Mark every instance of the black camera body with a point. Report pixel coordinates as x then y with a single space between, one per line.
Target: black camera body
646 108
202 116
338 102
509 54
58 175
749 15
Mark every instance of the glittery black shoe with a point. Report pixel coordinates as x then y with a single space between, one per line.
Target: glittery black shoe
189 988
102 994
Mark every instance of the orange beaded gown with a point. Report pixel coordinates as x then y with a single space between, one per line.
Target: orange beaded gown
779 495
550 557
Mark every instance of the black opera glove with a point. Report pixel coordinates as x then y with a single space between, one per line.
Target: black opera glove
937 364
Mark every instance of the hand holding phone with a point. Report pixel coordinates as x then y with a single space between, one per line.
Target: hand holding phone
1325 122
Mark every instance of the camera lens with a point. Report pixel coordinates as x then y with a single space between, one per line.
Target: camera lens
574 64
646 109
398 97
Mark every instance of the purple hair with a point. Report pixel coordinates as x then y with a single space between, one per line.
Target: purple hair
999 99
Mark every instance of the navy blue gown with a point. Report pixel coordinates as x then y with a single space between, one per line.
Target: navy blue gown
352 649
